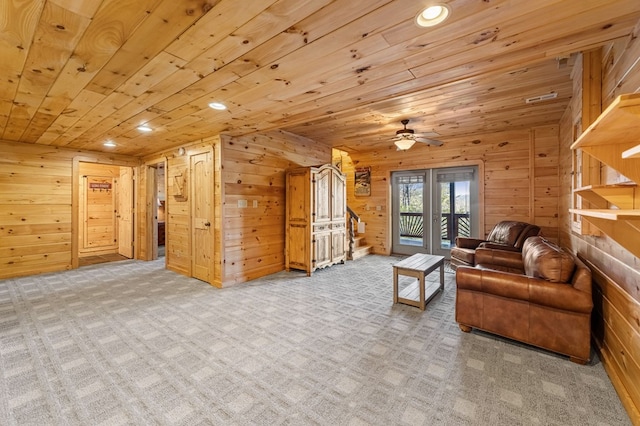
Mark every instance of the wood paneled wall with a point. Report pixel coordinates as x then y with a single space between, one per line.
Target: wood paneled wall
178 209
616 317
249 202
519 170
254 175
36 206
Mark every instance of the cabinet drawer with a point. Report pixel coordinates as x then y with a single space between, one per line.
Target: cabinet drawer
321 227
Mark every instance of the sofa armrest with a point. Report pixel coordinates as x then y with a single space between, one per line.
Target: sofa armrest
521 287
468 243
501 260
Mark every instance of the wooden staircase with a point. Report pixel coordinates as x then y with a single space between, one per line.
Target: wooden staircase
360 248
357 247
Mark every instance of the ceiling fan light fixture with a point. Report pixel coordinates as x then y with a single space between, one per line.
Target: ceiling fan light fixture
432 15
404 144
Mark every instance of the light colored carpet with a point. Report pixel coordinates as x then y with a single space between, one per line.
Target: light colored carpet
132 343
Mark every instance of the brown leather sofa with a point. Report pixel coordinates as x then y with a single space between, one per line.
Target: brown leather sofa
541 297
506 235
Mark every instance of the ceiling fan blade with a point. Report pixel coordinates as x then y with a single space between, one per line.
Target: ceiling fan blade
429 141
427 134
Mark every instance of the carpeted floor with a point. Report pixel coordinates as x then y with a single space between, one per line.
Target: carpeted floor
132 343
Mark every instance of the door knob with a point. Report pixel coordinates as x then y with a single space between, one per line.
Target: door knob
207 224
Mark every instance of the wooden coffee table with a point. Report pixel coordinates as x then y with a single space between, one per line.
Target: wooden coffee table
418 266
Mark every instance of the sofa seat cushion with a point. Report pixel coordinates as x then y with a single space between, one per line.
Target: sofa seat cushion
464 254
543 259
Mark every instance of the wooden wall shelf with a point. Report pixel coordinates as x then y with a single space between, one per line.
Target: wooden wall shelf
615 131
623 196
613 139
609 214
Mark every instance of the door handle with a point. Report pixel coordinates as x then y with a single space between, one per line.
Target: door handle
207 224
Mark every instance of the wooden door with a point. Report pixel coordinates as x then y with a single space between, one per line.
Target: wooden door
201 167
125 212
98 209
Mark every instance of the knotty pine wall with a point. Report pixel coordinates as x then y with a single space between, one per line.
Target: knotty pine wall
616 316
519 178
254 171
177 186
36 206
249 240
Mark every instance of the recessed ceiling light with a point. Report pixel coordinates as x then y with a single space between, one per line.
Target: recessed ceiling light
109 144
217 105
144 128
433 15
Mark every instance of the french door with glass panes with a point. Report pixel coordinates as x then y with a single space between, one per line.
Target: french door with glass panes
433 206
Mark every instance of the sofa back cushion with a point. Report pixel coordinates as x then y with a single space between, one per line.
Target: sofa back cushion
512 233
543 259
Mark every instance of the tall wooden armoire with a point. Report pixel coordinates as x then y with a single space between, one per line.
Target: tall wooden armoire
316 218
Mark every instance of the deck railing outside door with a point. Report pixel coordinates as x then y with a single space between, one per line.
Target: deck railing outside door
451 225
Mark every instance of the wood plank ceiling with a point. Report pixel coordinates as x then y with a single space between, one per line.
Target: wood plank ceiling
343 72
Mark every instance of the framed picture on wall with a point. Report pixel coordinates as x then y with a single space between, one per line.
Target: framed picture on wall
362 184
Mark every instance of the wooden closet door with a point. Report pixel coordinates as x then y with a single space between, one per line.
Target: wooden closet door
125 212
202 208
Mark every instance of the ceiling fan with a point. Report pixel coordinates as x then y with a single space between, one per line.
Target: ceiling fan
405 138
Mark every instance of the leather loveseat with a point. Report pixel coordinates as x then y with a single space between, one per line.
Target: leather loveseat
505 235
541 297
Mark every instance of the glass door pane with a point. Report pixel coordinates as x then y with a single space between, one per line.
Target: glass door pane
410 202
455 206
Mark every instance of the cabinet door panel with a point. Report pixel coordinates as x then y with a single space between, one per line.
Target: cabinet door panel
338 197
322 249
298 237
298 197
338 246
322 196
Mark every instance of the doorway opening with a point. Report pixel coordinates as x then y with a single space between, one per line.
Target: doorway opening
431 207
160 214
105 213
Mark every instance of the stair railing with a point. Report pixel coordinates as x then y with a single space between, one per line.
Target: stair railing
353 220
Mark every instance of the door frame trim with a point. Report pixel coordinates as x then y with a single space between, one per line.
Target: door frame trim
389 199
75 201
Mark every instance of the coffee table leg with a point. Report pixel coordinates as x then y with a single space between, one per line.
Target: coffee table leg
395 285
442 276
421 284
